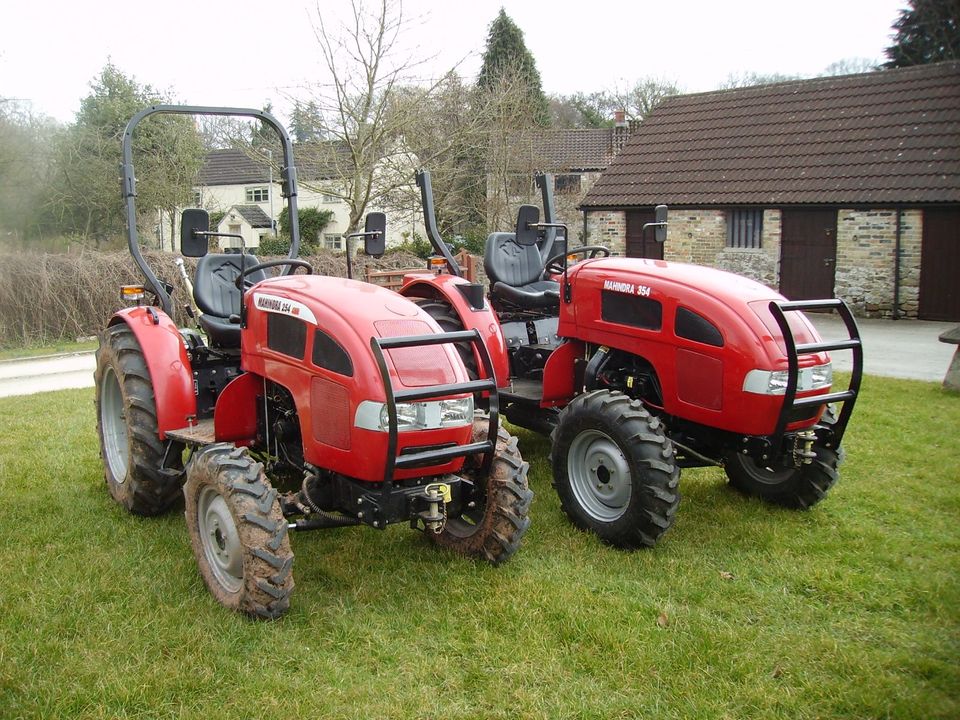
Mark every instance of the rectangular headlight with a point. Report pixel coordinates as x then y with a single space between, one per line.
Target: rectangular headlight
428 415
774 382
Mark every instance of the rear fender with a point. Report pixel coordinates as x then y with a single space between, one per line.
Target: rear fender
484 320
166 356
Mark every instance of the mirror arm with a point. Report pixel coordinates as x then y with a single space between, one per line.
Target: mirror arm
351 236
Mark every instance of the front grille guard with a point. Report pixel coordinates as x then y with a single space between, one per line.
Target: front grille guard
436 456
848 397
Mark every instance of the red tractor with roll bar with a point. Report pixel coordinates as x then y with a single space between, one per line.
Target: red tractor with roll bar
637 368
302 402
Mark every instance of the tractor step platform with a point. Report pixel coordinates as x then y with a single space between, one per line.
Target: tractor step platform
522 390
199 434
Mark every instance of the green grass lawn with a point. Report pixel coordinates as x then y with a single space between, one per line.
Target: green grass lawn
851 610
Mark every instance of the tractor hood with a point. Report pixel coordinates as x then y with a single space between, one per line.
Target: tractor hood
644 294
345 315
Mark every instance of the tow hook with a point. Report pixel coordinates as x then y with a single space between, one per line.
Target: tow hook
435 516
803 453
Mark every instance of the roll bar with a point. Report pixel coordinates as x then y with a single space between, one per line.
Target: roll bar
430 222
288 179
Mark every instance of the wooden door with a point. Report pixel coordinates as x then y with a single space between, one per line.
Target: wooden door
808 253
940 265
637 246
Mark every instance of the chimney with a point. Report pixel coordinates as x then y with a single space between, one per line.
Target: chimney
621 131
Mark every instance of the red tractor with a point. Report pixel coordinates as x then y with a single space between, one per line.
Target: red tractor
346 395
637 368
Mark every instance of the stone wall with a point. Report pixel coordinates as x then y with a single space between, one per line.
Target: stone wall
866 242
866 246
608 228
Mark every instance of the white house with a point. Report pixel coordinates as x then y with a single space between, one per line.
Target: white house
248 193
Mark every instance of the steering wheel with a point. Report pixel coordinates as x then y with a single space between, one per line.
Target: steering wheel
270 263
554 266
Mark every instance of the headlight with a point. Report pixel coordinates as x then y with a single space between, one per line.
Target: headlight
774 382
429 415
456 412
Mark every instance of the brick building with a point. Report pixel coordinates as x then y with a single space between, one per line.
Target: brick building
843 186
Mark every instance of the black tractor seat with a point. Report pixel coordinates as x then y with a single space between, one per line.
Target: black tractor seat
516 274
216 293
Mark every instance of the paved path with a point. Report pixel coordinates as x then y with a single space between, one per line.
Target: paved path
891 348
51 372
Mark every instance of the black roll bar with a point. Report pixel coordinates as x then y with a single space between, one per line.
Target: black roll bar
430 222
288 179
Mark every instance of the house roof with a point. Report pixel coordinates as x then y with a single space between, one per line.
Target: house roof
232 166
576 149
571 149
254 216
235 166
885 137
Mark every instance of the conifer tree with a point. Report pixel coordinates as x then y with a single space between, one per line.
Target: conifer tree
507 54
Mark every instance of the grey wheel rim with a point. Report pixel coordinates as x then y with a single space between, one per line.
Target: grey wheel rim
599 475
220 539
113 426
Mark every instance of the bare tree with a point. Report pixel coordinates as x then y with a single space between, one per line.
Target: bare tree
367 109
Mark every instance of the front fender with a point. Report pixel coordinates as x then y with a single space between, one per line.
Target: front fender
166 356
484 320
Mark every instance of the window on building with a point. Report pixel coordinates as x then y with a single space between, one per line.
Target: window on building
333 241
328 199
567 184
258 194
744 228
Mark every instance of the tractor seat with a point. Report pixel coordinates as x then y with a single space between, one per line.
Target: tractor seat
217 295
516 274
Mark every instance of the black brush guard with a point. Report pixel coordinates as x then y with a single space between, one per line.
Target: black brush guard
848 397
436 456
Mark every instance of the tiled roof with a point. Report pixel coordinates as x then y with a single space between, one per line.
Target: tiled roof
234 166
254 216
574 149
876 138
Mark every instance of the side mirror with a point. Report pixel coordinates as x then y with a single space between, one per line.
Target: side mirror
192 222
527 216
375 234
660 216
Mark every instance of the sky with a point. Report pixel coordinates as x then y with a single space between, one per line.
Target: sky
245 53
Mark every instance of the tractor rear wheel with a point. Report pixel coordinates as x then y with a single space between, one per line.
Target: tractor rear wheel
238 534
499 517
614 469
143 473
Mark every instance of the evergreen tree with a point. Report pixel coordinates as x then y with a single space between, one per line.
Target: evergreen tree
85 193
506 54
927 31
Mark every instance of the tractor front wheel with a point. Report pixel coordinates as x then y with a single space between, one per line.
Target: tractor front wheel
614 469
237 531
496 518
798 488
143 474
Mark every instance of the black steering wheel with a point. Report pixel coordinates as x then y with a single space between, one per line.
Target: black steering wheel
554 266
241 281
